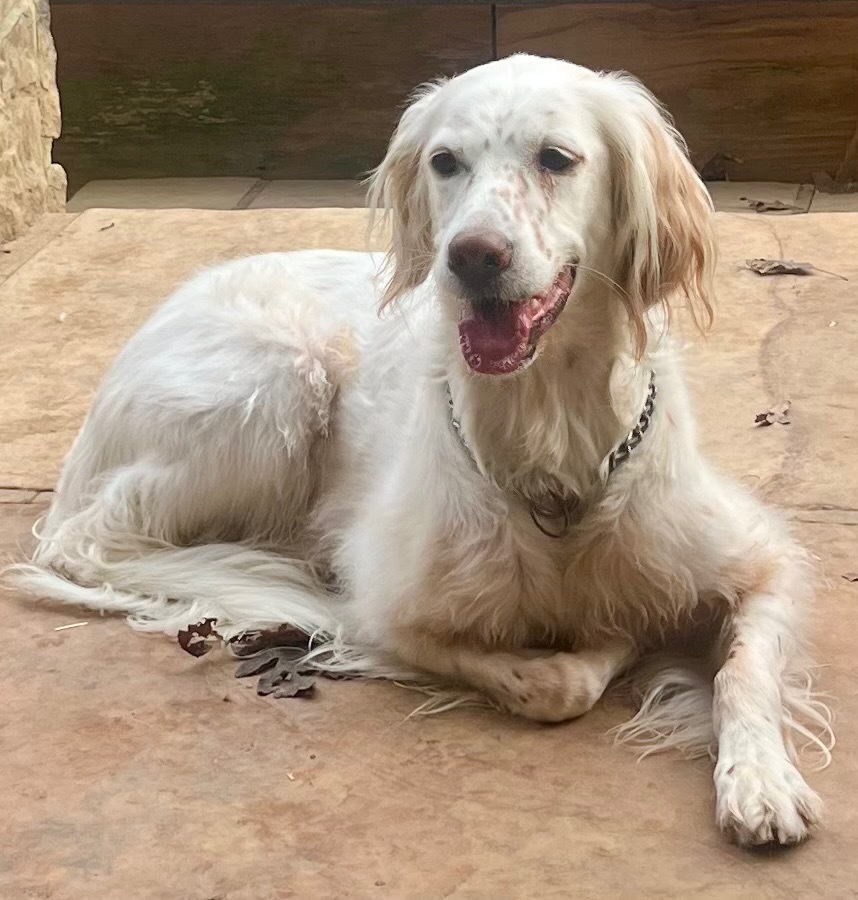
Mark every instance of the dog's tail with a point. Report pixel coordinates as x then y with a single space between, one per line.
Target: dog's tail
674 699
165 588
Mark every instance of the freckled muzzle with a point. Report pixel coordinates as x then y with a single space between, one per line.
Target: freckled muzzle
501 338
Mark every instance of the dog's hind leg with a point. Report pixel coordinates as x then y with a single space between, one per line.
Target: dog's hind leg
188 491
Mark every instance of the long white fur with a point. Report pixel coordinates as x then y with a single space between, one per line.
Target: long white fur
267 435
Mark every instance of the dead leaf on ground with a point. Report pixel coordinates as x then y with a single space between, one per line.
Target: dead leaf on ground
777 414
281 672
779 267
284 680
334 675
850 576
268 659
275 655
786 267
763 206
200 638
252 642
298 685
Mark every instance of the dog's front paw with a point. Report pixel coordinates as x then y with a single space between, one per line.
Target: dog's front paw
550 689
764 802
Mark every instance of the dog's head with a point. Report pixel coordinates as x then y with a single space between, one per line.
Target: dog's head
521 183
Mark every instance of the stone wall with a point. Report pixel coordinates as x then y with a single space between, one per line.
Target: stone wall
30 184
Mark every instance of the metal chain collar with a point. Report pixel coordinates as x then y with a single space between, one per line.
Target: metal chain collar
624 450
563 508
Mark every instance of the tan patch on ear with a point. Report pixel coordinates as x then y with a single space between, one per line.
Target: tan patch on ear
686 242
411 253
398 190
678 260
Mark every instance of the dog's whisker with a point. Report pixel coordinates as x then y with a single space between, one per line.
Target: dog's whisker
604 278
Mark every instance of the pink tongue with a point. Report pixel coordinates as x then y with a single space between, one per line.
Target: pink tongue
497 344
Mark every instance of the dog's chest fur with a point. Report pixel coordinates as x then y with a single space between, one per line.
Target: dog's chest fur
512 586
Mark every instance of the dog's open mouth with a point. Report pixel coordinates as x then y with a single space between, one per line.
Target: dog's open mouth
500 338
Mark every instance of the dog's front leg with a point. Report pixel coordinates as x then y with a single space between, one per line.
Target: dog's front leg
548 687
761 797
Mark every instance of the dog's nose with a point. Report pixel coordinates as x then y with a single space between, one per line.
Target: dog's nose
478 258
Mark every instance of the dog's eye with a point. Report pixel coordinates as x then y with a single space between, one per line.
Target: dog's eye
555 160
444 163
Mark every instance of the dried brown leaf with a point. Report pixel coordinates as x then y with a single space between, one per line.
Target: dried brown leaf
776 415
779 267
252 642
281 672
284 681
762 206
276 656
334 675
200 638
787 267
267 659
298 686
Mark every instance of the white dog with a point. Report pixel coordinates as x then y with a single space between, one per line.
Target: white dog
497 483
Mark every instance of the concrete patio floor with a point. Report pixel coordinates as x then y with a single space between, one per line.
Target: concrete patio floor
129 769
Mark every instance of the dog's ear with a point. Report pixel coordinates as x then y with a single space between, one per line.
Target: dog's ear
662 211
400 194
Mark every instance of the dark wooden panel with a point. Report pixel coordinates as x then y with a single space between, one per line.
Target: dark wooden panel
331 3
246 89
774 85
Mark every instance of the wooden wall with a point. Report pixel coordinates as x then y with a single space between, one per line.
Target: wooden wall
273 91
762 90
